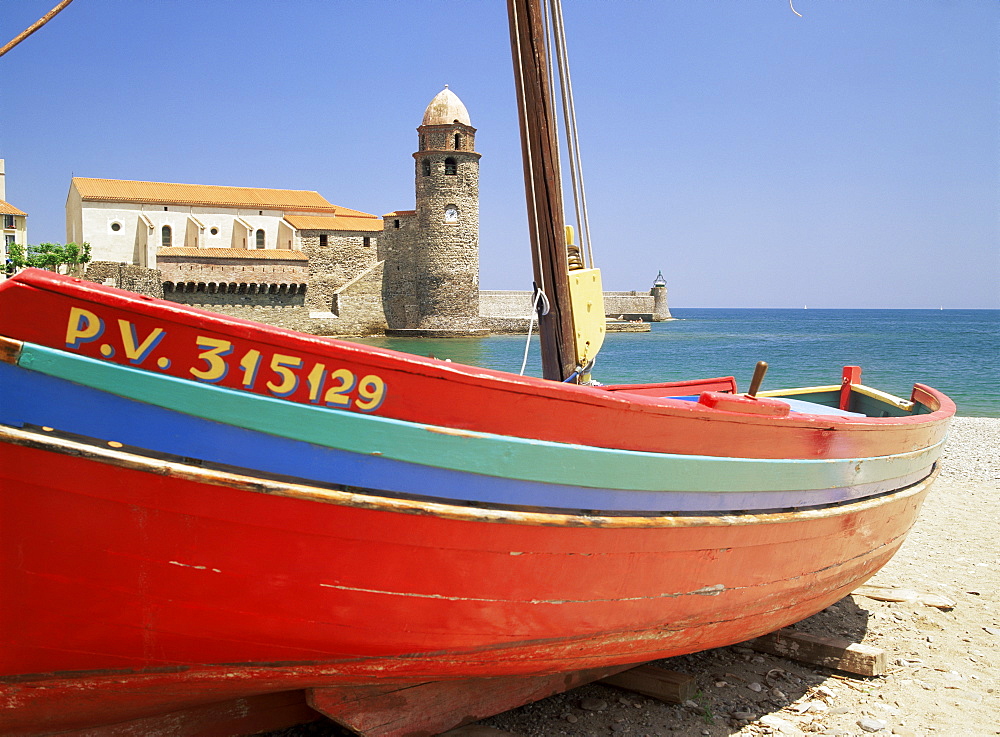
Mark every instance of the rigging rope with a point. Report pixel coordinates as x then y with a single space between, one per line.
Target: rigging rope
572 133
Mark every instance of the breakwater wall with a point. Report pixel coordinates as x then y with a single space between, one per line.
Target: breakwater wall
503 304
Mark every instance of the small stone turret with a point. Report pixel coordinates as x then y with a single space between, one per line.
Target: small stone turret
661 311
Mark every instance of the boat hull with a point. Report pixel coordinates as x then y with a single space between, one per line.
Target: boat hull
146 585
197 509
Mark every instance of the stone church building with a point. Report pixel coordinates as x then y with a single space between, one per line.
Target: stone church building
291 258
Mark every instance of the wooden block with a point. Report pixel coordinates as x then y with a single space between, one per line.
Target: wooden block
829 652
662 684
422 709
10 350
249 715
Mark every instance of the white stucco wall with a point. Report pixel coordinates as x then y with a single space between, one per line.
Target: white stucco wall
134 242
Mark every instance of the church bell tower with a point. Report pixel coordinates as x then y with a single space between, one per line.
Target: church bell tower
431 253
445 253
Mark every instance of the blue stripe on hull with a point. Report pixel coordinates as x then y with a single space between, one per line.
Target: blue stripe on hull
35 398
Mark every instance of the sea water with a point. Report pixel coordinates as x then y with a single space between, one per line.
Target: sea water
954 351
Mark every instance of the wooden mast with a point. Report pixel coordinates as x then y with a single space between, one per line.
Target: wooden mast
543 188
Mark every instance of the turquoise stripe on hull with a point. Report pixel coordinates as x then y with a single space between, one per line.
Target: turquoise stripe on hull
474 452
38 399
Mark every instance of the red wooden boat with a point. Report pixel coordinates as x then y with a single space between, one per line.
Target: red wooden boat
209 521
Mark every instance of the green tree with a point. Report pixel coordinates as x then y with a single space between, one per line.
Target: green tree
51 256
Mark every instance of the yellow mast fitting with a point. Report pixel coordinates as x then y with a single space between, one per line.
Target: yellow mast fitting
573 254
586 296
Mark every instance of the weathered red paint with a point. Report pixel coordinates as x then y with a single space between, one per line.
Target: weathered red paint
142 587
34 306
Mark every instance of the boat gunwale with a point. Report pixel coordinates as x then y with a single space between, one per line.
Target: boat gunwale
432 368
578 464
456 512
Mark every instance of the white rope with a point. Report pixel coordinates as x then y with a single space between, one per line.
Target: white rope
540 296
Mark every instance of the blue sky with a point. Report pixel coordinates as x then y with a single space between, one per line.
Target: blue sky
846 158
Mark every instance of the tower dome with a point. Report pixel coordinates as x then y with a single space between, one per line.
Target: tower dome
446 109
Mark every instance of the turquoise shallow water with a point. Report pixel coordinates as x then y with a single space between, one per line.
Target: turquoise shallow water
956 351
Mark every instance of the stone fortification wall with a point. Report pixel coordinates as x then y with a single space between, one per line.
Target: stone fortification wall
335 307
338 260
517 304
508 311
504 304
507 325
354 309
281 310
232 271
629 305
399 293
126 276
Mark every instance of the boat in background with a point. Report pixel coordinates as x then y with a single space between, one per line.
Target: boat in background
211 521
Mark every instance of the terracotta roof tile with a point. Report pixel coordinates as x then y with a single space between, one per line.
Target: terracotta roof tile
8 209
348 212
258 254
207 195
399 213
323 222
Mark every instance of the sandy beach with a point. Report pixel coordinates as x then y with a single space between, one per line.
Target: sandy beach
942 677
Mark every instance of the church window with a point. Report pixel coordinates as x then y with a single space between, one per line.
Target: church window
260 239
458 141
166 236
395 223
322 240
214 231
450 166
367 241
426 167
116 227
